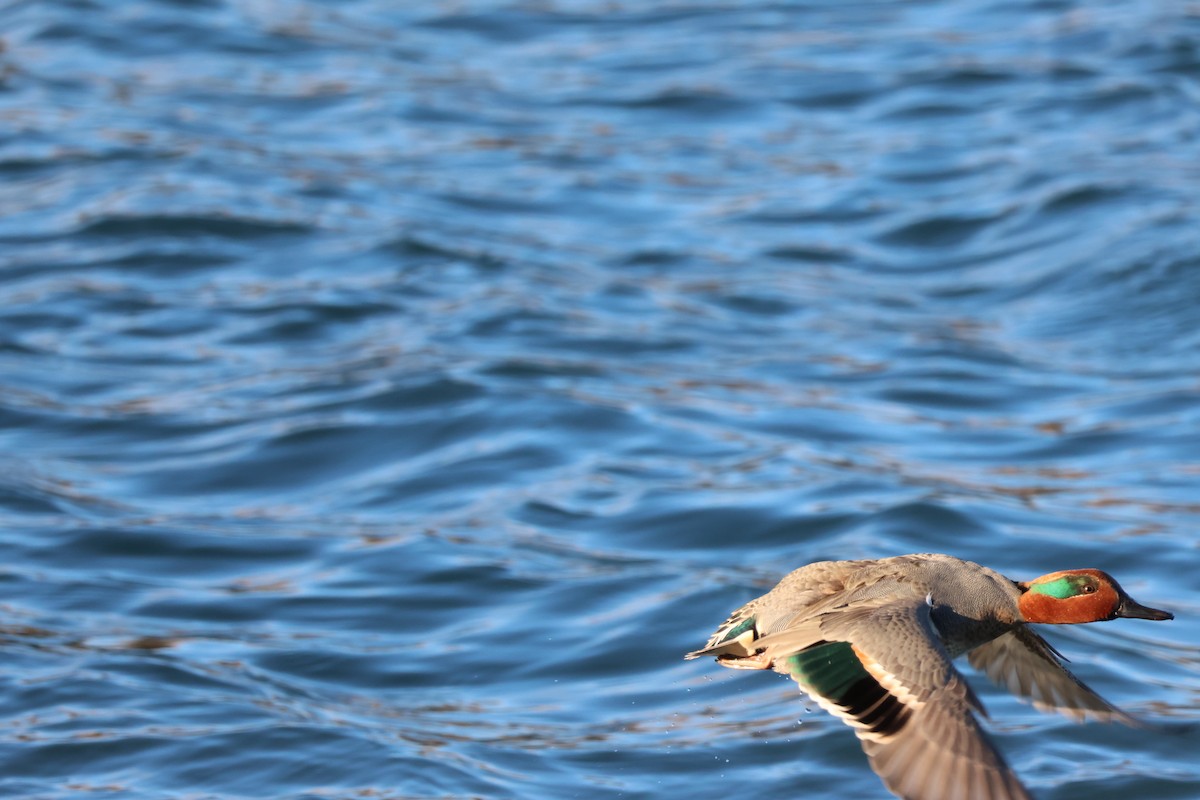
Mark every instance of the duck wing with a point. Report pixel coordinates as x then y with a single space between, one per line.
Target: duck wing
880 667
798 597
1029 667
734 641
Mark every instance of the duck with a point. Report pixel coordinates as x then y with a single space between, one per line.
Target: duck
873 642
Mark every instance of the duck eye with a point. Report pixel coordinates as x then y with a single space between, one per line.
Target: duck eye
1089 589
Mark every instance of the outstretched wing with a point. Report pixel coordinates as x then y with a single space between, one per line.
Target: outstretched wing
882 669
1026 665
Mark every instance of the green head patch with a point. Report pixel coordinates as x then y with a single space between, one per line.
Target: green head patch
1065 586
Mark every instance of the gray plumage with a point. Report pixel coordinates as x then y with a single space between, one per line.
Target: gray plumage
872 642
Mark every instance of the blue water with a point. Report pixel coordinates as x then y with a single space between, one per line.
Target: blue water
391 393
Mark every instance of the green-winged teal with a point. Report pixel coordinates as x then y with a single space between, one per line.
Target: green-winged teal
872 641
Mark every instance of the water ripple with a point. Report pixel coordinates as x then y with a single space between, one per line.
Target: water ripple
390 396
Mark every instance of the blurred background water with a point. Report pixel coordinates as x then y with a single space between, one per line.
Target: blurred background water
391 393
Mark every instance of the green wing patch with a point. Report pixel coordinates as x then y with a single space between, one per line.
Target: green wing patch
736 631
831 671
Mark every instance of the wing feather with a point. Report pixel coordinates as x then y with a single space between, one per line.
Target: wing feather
1026 665
881 668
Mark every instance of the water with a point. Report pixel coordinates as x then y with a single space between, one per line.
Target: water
392 393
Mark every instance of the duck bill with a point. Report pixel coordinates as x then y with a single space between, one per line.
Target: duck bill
1134 610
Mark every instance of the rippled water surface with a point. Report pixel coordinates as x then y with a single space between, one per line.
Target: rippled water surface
391 393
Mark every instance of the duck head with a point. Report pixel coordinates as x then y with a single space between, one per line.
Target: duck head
1080 595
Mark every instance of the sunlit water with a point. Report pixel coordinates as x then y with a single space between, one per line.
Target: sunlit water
391 393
